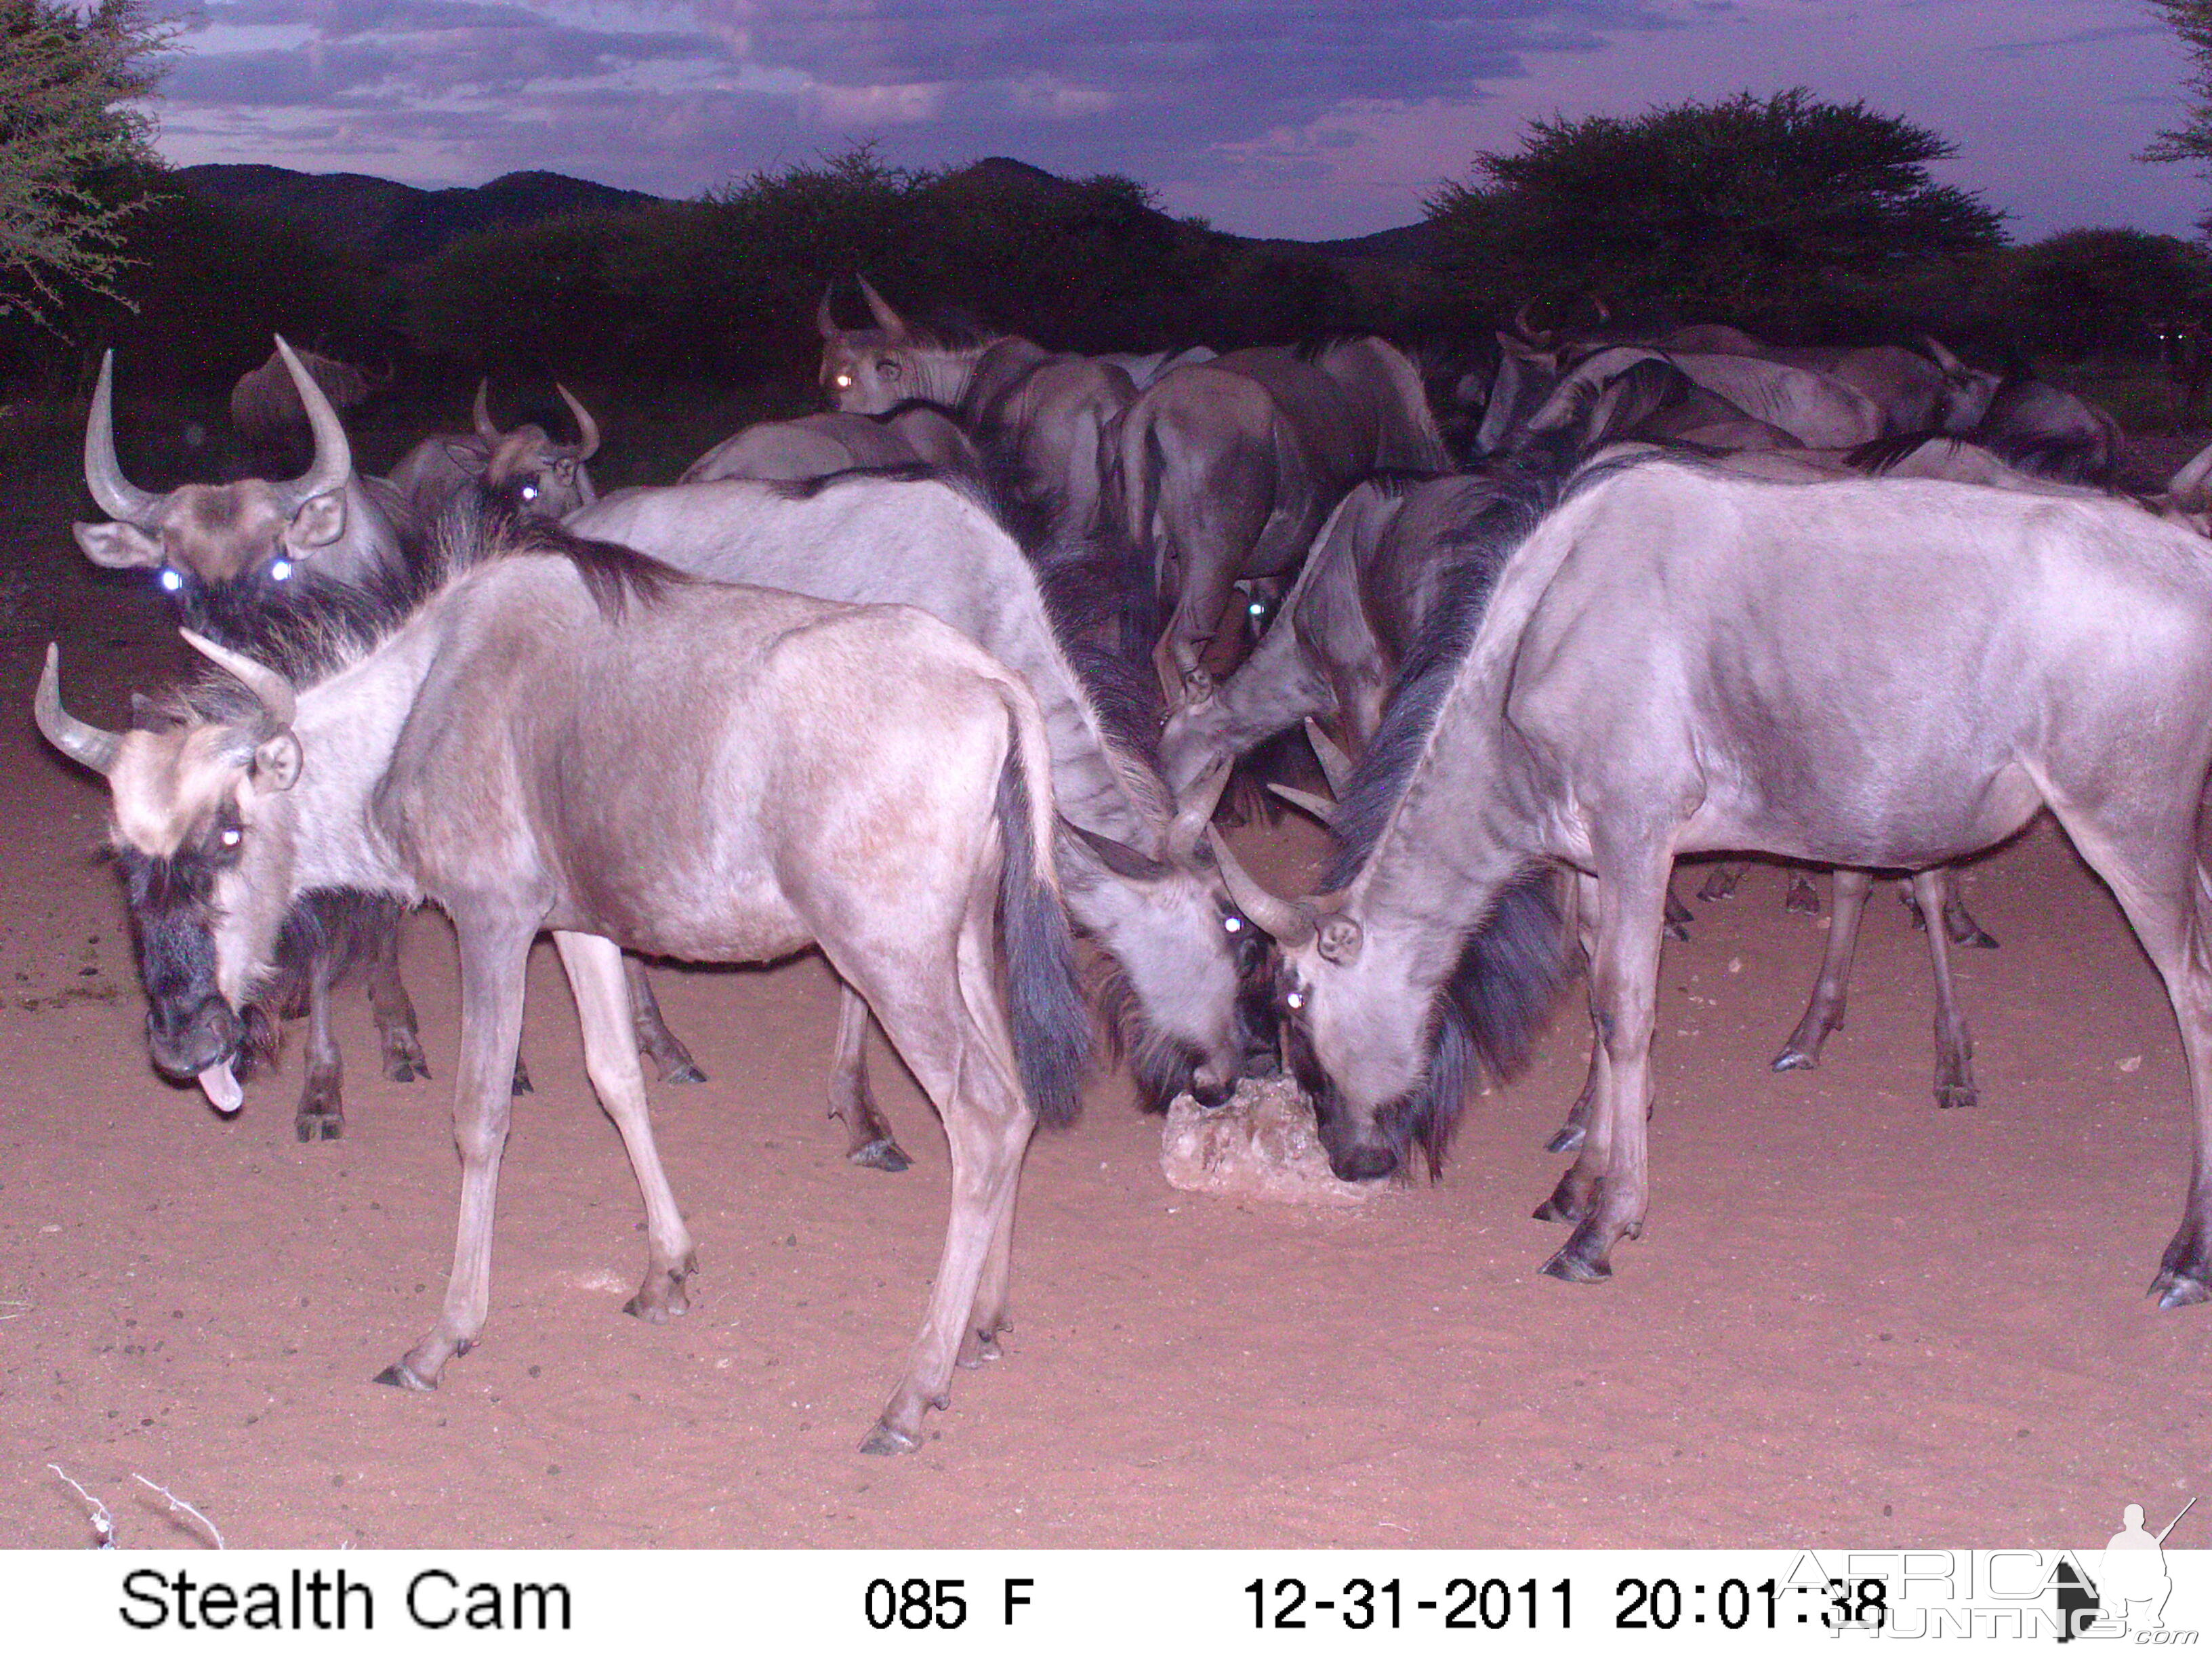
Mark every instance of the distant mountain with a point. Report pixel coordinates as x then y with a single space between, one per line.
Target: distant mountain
392 223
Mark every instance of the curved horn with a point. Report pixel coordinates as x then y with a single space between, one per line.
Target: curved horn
1288 923
333 462
2191 479
117 496
584 424
825 315
887 320
482 412
81 741
1336 764
270 688
1316 806
1196 811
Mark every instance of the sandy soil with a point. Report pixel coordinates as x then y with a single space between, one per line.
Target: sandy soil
1852 1319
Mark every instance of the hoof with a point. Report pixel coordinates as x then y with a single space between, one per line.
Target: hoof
884 1441
1677 932
661 1298
1794 1060
1572 1268
400 1375
2175 1290
685 1070
1951 1095
979 1349
1979 940
310 1127
1716 888
1802 900
1567 1138
522 1084
883 1155
403 1061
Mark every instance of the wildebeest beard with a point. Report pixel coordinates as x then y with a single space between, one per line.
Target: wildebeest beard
1484 1020
172 918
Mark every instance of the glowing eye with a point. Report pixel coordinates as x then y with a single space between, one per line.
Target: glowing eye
844 381
530 492
1232 924
1296 1000
172 582
232 837
280 571
1256 609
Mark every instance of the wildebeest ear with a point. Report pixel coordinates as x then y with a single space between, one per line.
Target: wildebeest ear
319 521
471 459
118 546
146 715
1339 940
1124 860
276 763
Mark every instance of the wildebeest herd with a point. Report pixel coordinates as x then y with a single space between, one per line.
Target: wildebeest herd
939 680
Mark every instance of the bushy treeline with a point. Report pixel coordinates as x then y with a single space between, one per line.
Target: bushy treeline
723 289
1700 214
1802 221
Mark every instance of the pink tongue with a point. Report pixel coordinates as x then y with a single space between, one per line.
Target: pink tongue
223 1090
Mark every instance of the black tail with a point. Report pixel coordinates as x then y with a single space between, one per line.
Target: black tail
1045 1005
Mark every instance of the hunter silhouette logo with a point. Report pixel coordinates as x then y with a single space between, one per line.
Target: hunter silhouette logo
2129 1591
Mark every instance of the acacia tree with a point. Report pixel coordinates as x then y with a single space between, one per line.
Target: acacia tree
2192 21
71 136
1730 210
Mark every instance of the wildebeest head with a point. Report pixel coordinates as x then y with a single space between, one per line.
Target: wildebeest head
228 537
526 466
871 371
204 860
1386 1069
1964 402
1197 974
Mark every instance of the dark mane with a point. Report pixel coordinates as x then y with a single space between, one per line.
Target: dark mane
806 489
323 627
1513 960
1879 456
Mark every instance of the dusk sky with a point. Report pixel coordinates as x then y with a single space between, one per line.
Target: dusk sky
1325 119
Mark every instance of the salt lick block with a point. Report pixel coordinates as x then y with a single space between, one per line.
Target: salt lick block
1261 1143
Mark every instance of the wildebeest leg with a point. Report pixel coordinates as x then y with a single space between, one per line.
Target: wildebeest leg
1581 916
1607 1189
1721 880
1825 1013
1802 896
952 1037
321 1115
493 956
1679 917
1954 1048
2153 871
871 1142
1961 926
670 1057
598 974
394 1010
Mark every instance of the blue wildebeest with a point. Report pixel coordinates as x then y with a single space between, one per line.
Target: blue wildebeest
1226 470
1143 368
539 473
1136 876
1047 412
1396 556
2026 421
815 445
267 568
265 407
568 736
1678 660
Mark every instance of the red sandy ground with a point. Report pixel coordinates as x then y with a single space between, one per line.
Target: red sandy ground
1852 1319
